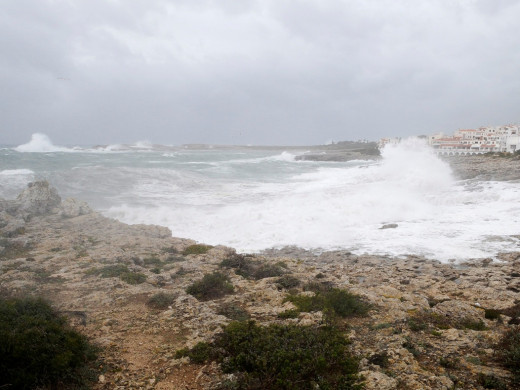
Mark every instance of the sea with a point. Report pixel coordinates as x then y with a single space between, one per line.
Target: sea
254 198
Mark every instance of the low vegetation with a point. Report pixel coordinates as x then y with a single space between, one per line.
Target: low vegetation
249 268
160 301
121 271
427 320
12 249
39 350
196 249
281 357
233 312
211 286
509 353
287 282
335 301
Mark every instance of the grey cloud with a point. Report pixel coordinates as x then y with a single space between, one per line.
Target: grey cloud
259 71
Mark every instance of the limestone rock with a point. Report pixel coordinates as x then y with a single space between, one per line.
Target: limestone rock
71 208
39 198
378 381
458 310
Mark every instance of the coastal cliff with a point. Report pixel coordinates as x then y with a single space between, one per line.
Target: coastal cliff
429 325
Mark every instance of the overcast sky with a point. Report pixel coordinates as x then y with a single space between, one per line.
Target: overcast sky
255 71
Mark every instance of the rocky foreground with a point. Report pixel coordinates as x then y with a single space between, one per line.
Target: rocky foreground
431 325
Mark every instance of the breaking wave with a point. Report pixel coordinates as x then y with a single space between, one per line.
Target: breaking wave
41 143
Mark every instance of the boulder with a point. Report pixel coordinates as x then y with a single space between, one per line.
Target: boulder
458 310
71 208
39 198
389 226
375 380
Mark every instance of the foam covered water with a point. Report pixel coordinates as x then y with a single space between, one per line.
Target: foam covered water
253 198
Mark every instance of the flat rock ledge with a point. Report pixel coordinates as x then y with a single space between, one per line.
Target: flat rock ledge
57 249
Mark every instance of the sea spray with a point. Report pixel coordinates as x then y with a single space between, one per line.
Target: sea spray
40 143
331 207
254 198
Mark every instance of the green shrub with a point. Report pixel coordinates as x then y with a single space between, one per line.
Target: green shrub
492 314
199 354
416 324
425 319
268 270
288 314
174 259
285 357
491 382
39 350
287 281
246 267
337 301
133 277
233 312
316 287
152 261
509 353
197 249
211 286
473 325
449 362
109 271
160 301
380 359
382 325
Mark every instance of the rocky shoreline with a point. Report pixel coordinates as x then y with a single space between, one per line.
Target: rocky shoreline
429 326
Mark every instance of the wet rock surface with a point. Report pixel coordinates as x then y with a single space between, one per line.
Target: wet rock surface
80 261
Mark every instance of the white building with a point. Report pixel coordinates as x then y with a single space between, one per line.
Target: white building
477 141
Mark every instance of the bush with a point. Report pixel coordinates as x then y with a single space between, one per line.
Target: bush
473 325
246 267
491 382
285 357
380 359
233 312
492 314
425 319
39 350
160 301
109 271
200 353
133 277
121 271
211 286
509 354
152 261
316 287
197 249
336 301
287 281
288 314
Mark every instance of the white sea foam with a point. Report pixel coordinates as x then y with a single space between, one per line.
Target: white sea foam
16 172
344 207
41 143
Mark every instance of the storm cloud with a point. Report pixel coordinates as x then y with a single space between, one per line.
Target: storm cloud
255 71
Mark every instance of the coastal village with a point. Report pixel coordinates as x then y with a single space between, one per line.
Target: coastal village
485 139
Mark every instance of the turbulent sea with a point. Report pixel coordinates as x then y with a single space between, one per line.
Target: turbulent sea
254 198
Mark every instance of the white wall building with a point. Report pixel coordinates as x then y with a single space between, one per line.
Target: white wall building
477 141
